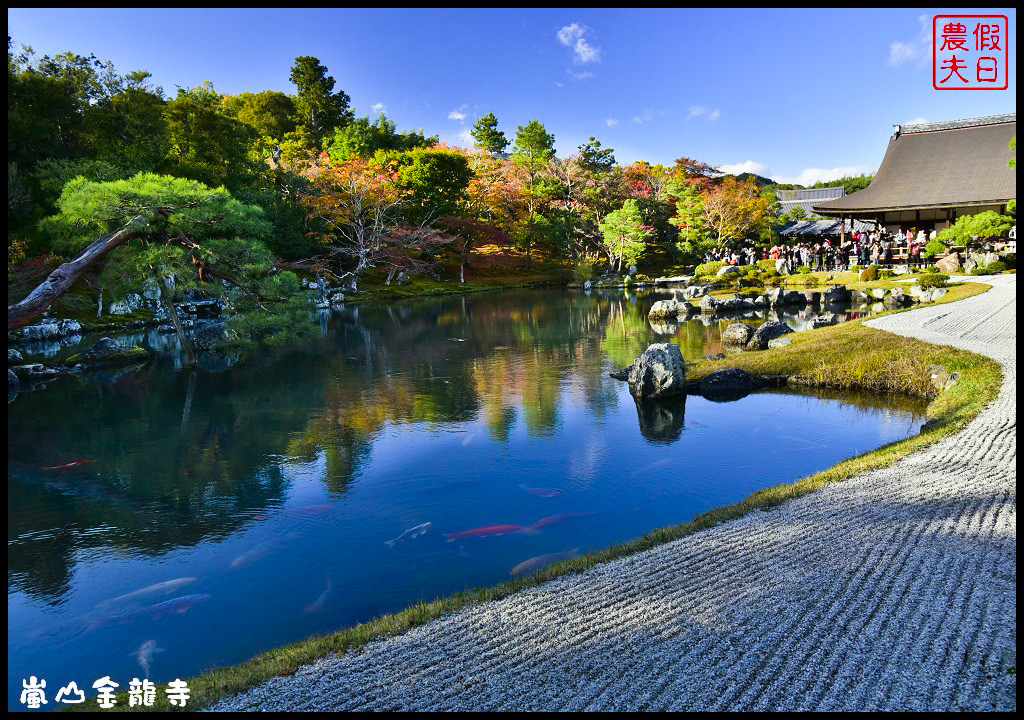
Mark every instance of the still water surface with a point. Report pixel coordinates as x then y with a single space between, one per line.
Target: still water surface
318 486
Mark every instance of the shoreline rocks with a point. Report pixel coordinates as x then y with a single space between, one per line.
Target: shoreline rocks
766 333
659 372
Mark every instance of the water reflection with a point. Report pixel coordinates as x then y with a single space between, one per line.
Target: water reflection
437 410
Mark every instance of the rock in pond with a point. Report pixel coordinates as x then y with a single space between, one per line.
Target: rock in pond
664 309
729 382
14 357
766 333
105 352
660 372
208 335
737 334
823 320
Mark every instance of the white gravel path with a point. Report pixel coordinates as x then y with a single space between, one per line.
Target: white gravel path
894 590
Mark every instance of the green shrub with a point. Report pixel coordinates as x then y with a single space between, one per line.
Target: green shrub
583 271
708 269
767 265
993 268
856 268
934 247
933 280
883 274
930 269
750 281
869 274
640 277
804 270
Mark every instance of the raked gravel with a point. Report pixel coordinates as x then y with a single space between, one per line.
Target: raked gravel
894 590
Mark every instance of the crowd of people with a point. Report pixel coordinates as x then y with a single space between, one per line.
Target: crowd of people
876 247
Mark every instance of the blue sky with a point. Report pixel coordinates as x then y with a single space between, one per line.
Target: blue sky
798 95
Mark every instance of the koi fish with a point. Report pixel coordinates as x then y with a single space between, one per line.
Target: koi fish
543 492
555 519
176 606
164 588
542 561
144 655
318 604
487 531
249 557
259 551
412 534
68 466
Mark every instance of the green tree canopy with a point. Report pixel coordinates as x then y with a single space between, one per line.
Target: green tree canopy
205 143
487 136
320 108
362 138
625 236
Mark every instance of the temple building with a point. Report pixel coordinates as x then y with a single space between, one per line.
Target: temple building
934 173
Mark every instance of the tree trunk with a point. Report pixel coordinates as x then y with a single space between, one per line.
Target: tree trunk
61 279
166 300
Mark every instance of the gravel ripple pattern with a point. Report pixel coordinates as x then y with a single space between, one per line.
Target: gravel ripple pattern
894 590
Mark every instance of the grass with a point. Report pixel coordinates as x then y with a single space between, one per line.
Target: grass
850 355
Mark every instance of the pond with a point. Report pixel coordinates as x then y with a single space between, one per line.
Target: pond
412 450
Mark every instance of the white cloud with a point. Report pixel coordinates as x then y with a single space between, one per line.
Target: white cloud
459 113
918 50
808 177
465 138
744 167
649 114
813 175
701 111
379 108
580 76
583 52
917 121
611 122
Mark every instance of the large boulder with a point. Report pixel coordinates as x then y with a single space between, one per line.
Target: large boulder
728 270
695 291
776 296
780 342
35 371
709 305
729 381
106 352
127 306
782 267
823 320
14 357
51 329
659 372
767 332
737 334
836 295
794 297
209 335
669 309
949 264
878 293
970 265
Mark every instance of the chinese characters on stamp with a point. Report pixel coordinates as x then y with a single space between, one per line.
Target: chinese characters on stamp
970 52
